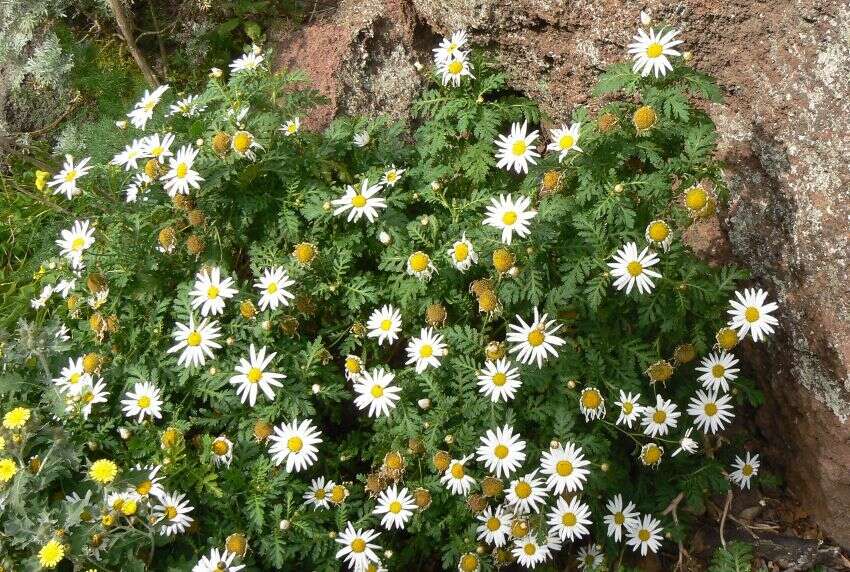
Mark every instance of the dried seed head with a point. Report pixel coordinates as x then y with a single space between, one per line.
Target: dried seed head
221 142
96 282
495 350
422 498
442 460
684 353
435 315
644 118
247 309
196 217
262 430
166 237
195 245
491 486
236 544
183 202
607 122
503 260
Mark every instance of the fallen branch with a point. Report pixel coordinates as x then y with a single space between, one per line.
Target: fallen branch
125 26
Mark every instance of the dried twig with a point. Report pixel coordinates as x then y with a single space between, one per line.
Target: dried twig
125 26
723 516
671 509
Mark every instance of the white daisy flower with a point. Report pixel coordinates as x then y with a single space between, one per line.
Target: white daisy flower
210 291
463 254
150 485
745 469
172 513
65 180
384 324
396 505
360 203
449 47
645 534
62 334
516 150
291 127
361 139
453 70
143 110
129 157
651 454
75 241
420 265
64 287
392 176
158 148
620 517
222 451
630 409
687 444
358 550
90 394
530 553
138 184
426 350
590 558
143 400
591 403
246 63
243 144
180 175
510 216
217 562
659 234
526 494
353 367
534 341
195 341
319 493
658 419
565 140
296 444
564 468
751 314
455 477
569 520
376 391
501 450
718 370
495 525
252 375
711 412
651 51
187 107
499 380
42 298
630 268
274 285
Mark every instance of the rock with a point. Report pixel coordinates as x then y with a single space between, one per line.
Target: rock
784 136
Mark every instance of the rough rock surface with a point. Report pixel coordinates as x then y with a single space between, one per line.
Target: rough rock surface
785 68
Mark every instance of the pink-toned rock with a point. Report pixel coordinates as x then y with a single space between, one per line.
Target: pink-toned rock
785 68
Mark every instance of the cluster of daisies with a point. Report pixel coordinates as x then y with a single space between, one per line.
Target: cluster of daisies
541 505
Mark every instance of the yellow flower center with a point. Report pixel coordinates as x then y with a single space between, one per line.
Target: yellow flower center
304 253
530 549
536 337
659 416
461 252
455 67
194 338
658 231
519 148
634 268
358 545
418 261
711 409
654 50
493 524
457 471
394 461
78 243
242 141
74 379
295 444
652 455
291 128
212 292
469 563
254 374
564 468
566 142
391 176
426 351
182 169
70 176
718 370
522 490
395 507
359 201
144 487
747 470
501 451
696 198
499 379
628 407
386 325
643 534
352 365
319 494
591 399
751 314
644 117
271 288
568 519
338 494
87 397
377 391
220 447
149 105
619 518
509 217
170 512
144 402
157 150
